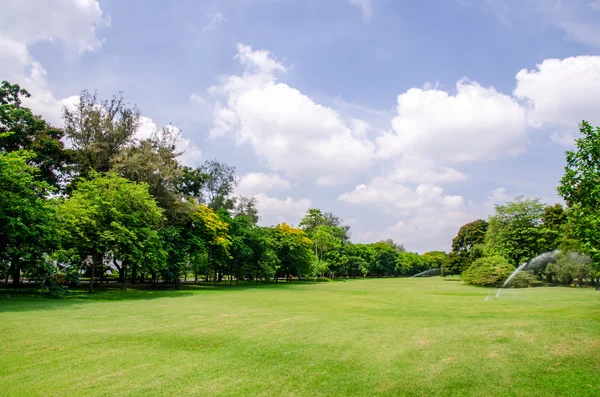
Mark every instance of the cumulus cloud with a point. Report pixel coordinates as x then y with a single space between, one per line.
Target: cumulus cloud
257 182
561 92
384 192
274 211
22 24
476 123
73 22
293 133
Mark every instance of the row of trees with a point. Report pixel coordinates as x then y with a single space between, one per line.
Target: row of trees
116 206
486 252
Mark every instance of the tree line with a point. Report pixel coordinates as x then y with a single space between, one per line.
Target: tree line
485 252
116 207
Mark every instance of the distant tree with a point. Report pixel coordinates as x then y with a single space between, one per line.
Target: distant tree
469 236
154 161
395 247
218 185
99 130
580 188
514 230
434 259
313 219
246 206
31 133
293 250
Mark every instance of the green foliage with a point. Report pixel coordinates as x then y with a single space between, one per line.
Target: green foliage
99 130
488 272
465 247
580 188
514 230
525 279
27 228
31 133
434 259
111 214
569 267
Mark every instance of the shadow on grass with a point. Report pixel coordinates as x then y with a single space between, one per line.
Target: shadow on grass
28 297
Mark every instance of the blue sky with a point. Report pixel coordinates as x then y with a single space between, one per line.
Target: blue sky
406 118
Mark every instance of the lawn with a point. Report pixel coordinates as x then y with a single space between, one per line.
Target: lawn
384 337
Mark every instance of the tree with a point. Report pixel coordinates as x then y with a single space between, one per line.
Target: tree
32 133
26 217
554 220
514 230
246 207
469 236
580 188
110 214
490 271
219 184
434 259
396 247
154 161
292 248
99 130
313 218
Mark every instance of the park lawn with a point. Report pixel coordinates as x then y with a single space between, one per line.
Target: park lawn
370 337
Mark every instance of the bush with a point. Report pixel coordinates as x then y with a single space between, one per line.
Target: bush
488 272
570 267
525 279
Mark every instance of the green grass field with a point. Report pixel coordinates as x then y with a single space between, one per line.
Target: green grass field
385 337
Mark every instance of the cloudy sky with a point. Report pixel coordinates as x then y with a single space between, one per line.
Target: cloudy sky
406 118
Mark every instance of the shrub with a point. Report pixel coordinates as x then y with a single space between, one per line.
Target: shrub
569 267
488 272
525 279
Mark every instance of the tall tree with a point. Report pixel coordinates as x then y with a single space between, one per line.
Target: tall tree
580 188
32 133
464 247
99 130
26 217
514 230
110 214
154 161
219 184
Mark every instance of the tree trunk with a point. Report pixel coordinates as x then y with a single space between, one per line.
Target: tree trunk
16 274
123 279
133 273
91 288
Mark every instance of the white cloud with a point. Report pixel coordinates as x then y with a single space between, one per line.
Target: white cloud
435 126
72 22
215 20
421 173
191 153
366 7
256 182
561 92
274 211
391 195
285 127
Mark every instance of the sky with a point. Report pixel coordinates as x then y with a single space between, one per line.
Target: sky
406 118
